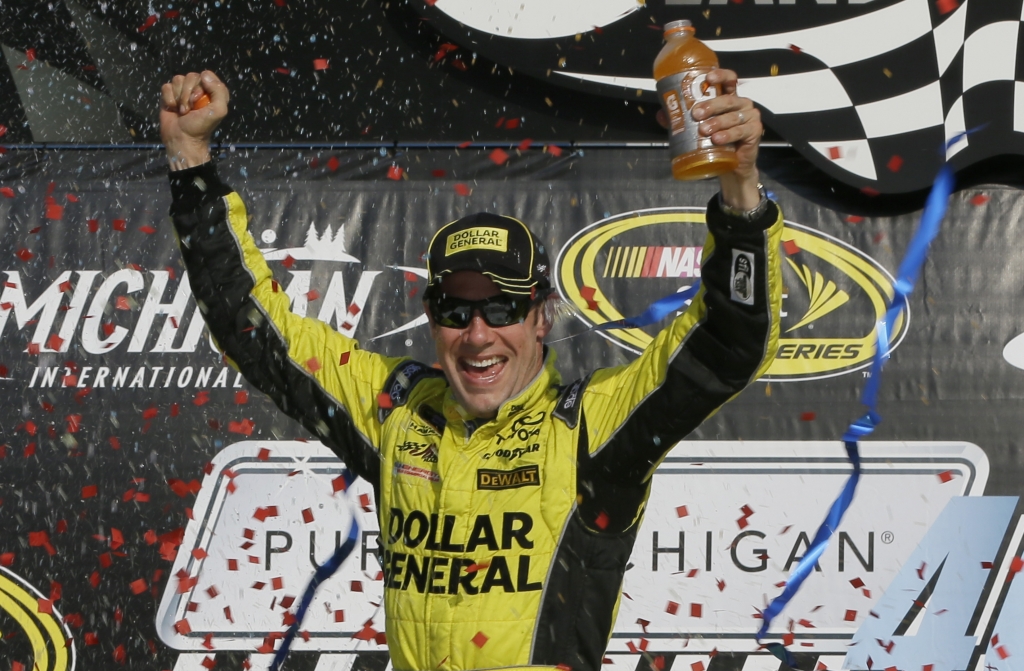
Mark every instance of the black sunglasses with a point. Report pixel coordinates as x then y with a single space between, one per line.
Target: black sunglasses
497 311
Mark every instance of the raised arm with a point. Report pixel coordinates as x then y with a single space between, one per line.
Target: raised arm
313 373
726 338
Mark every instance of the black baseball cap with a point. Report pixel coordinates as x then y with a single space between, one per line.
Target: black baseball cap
502 248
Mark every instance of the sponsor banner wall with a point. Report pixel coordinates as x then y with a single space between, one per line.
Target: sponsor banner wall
143 484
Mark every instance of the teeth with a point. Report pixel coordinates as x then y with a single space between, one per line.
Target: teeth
485 363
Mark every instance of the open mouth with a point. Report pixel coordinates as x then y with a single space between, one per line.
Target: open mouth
482 371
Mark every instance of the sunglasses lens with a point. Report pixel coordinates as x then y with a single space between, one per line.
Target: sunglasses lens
497 311
452 312
503 311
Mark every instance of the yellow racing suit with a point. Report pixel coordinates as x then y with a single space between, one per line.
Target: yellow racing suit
504 541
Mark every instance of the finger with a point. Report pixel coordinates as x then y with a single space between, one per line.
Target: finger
188 86
661 118
176 83
725 79
736 127
215 88
167 98
720 105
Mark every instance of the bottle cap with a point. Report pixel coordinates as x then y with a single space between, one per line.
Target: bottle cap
676 26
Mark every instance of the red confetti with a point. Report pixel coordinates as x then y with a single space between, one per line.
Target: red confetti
460 189
89 491
182 627
721 585
602 520
554 150
672 608
480 639
138 586
1002 652
344 358
338 484
946 6
45 606
920 570
946 476
851 615
854 219
696 610
54 211
437 172
697 666
313 365
857 583
307 515
895 163
339 616
7 559
120 225
395 172
835 153
6 191
807 416
244 427
232 564
499 156
24 254
512 123
681 511
1016 564
319 63
199 553
790 247
980 199
277 583
384 400
94 225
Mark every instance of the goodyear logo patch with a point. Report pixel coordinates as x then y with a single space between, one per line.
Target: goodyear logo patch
527 476
833 294
492 239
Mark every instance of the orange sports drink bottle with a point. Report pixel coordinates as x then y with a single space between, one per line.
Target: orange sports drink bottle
681 70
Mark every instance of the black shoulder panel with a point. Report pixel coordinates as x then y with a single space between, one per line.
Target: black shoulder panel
570 401
401 382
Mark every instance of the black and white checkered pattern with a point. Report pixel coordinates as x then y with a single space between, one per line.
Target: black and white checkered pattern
379 661
873 99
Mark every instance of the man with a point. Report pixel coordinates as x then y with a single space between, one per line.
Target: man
508 504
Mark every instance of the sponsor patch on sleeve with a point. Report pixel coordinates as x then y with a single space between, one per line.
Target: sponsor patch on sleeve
741 281
526 476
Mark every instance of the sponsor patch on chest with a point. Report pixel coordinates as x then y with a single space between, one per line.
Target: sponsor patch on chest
526 476
416 472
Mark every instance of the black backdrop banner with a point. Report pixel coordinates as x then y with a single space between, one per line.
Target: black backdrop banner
118 415
868 92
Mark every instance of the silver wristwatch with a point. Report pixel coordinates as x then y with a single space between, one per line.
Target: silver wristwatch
746 215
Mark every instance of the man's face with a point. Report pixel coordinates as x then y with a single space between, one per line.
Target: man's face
485 365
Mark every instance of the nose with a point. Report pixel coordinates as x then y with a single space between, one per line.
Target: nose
479 332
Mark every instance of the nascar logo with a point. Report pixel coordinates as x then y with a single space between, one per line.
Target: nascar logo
833 294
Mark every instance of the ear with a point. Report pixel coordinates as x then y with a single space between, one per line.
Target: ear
543 325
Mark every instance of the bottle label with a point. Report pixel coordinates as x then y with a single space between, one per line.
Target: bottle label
679 93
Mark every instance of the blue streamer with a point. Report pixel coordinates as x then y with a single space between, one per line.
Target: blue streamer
655 312
321 575
906 277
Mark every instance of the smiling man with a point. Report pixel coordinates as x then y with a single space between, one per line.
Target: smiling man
508 503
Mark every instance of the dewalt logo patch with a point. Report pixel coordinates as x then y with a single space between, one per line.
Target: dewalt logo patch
833 293
527 476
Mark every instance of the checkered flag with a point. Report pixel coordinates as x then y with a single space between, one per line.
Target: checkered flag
872 99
